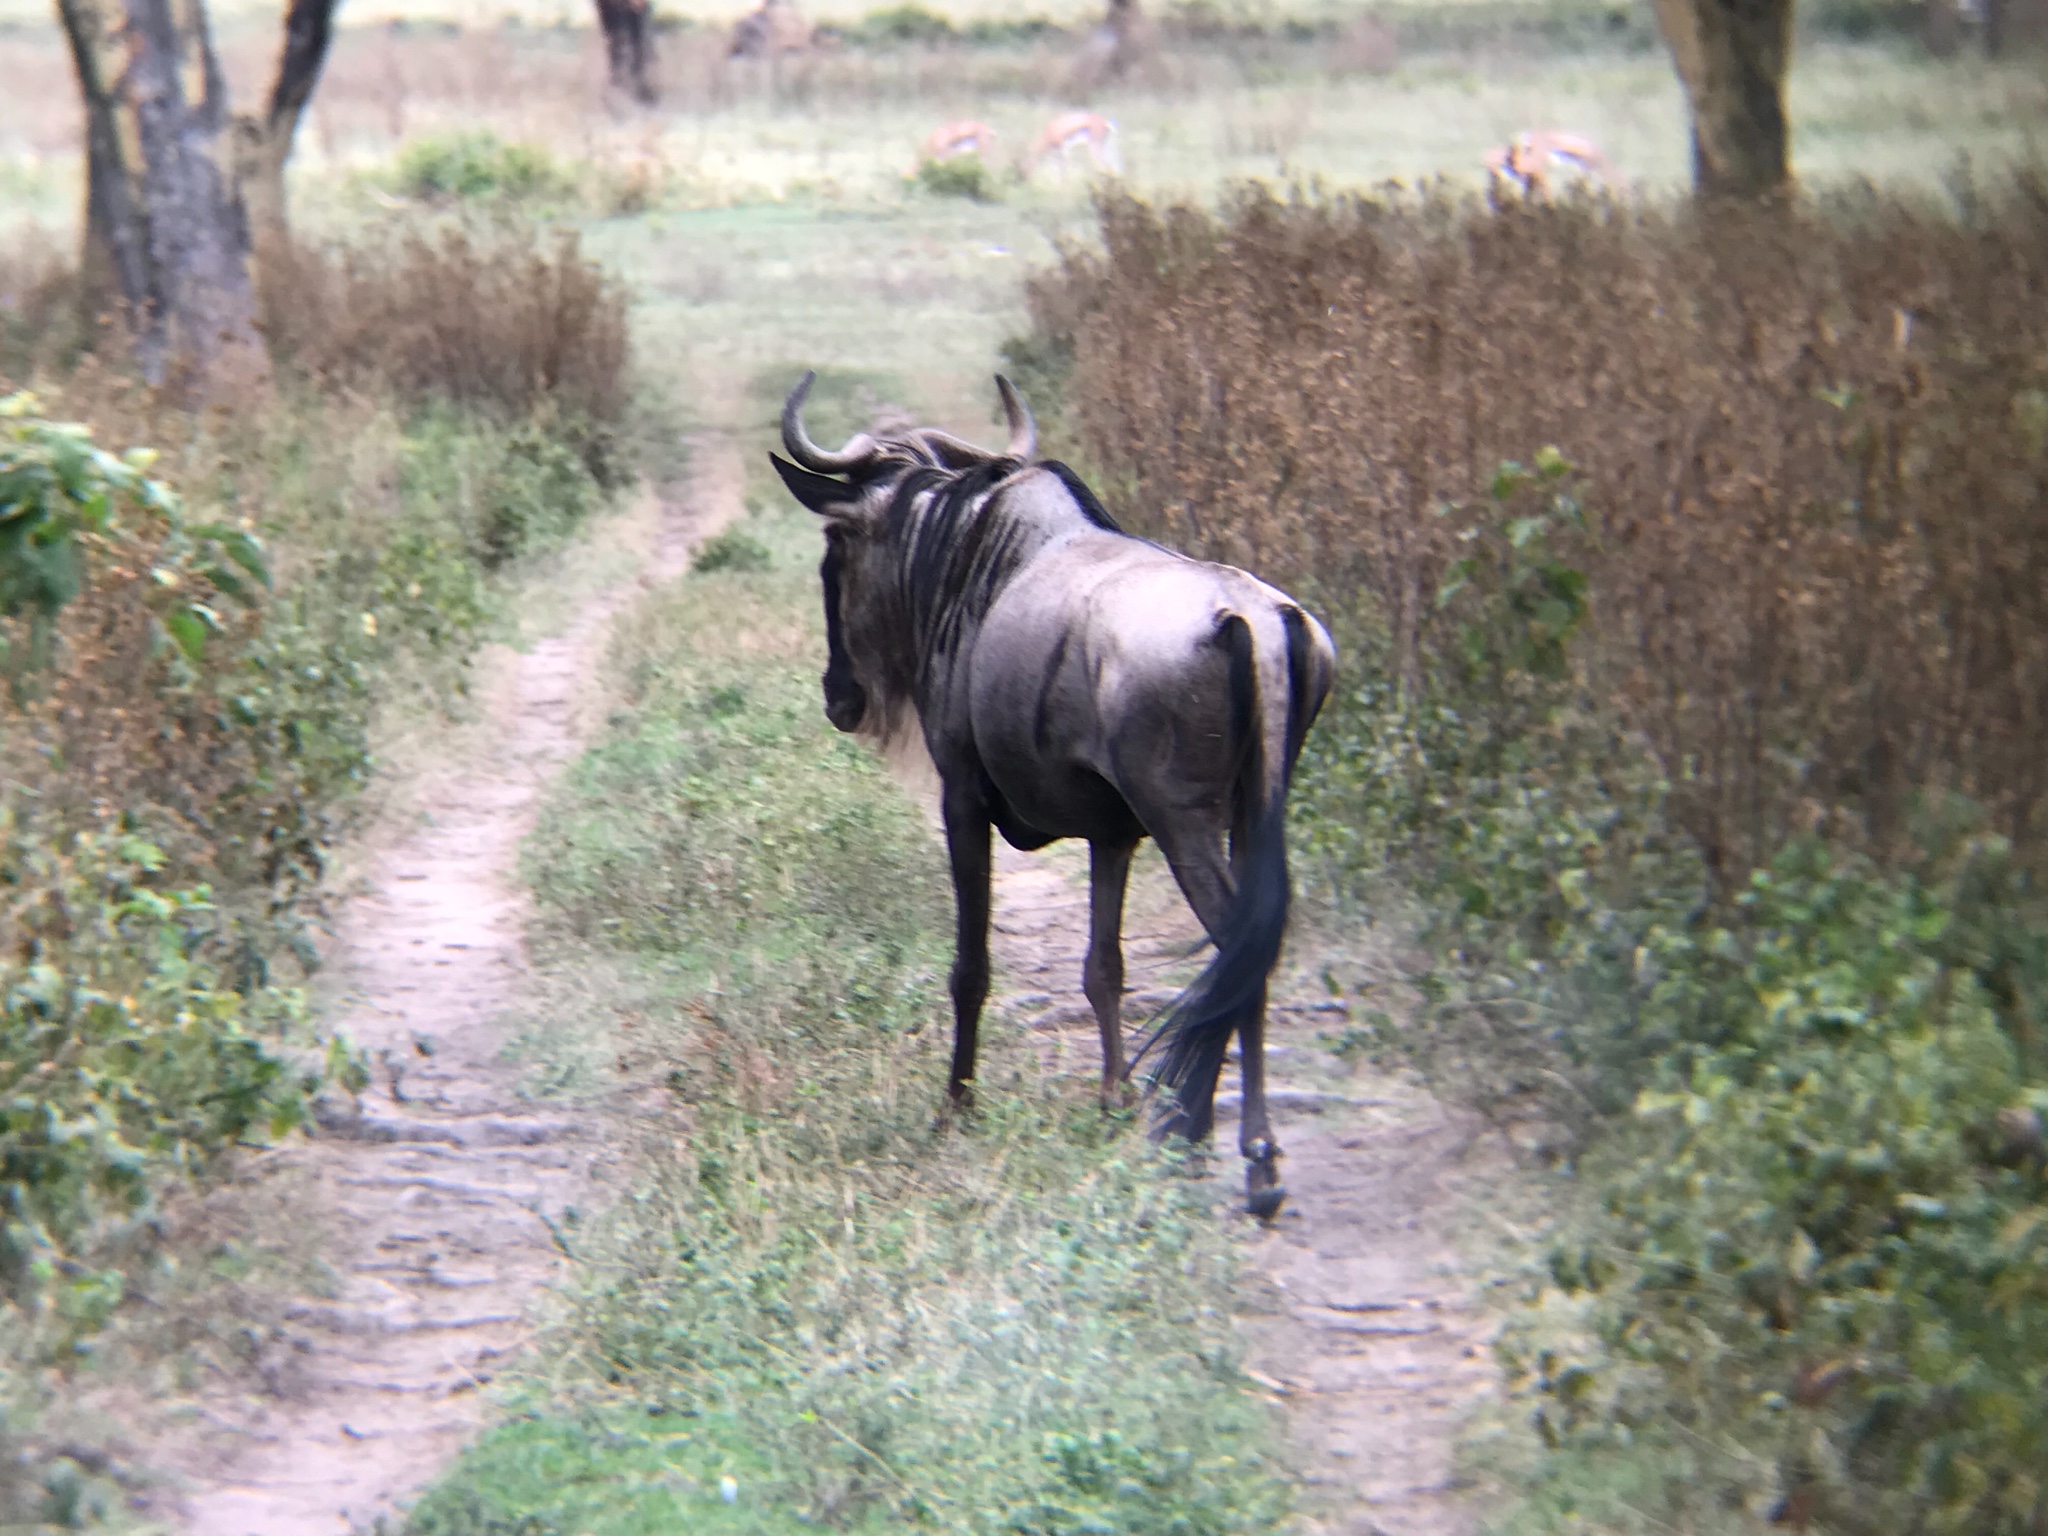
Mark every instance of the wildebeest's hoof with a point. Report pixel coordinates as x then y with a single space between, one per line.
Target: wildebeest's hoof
1264 1194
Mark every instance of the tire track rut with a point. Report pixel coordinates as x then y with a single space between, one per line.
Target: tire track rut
1367 1332
439 1187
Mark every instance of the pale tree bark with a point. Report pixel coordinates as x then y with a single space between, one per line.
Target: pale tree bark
263 141
1732 57
169 188
628 47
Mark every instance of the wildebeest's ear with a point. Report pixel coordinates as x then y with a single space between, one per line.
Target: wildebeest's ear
821 493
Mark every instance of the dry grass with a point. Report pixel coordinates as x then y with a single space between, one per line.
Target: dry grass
1814 445
510 321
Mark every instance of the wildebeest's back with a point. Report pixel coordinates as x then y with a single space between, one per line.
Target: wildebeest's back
1101 666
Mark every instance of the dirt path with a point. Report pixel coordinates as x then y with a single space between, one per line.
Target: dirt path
438 1189
1368 1333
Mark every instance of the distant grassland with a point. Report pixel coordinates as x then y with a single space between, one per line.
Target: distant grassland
548 13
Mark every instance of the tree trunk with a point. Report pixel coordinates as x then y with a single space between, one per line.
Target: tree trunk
628 47
1941 27
263 142
2011 26
1732 56
1127 36
165 232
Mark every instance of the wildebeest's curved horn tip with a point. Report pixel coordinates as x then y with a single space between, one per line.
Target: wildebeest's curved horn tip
858 452
1023 430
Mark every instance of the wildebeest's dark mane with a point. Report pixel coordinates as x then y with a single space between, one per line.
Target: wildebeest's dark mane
1091 509
954 546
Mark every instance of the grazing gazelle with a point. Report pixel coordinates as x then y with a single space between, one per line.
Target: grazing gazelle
1531 159
1072 131
1070 680
949 141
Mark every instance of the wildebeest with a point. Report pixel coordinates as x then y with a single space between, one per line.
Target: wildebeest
1073 681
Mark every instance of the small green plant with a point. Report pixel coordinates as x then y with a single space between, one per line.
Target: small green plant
124 1055
732 550
896 25
1533 600
540 491
64 502
965 176
476 166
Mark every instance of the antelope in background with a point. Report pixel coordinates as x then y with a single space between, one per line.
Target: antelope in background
950 141
1074 131
1531 159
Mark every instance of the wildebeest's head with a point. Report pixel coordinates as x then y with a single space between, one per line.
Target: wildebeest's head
867 681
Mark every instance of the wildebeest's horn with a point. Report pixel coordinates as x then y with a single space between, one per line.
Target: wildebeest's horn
860 450
1023 430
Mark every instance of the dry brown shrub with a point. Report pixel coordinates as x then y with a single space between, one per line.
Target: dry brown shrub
512 321
1817 446
43 319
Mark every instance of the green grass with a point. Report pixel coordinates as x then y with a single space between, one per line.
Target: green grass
804 1280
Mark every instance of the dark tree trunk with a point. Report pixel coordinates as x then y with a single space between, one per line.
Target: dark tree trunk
1732 56
2011 26
1941 27
628 47
1126 29
165 232
263 141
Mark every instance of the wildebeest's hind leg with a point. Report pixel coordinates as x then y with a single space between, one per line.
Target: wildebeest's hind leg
1109 869
1209 882
1264 1193
1195 854
967 847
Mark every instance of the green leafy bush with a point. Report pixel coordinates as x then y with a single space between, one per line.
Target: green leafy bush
61 497
540 492
477 165
1827 1238
895 25
732 550
965 176
125 1056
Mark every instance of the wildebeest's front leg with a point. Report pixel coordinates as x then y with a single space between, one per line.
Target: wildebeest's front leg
967 846
1109 869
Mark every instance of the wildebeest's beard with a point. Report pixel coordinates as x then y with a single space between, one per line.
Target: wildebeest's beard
846 701
870 675
900 582
903 580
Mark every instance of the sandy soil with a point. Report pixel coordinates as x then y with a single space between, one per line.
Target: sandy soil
440 1188
1364 1325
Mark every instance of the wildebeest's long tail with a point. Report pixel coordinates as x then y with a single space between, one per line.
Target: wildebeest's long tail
1232 989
